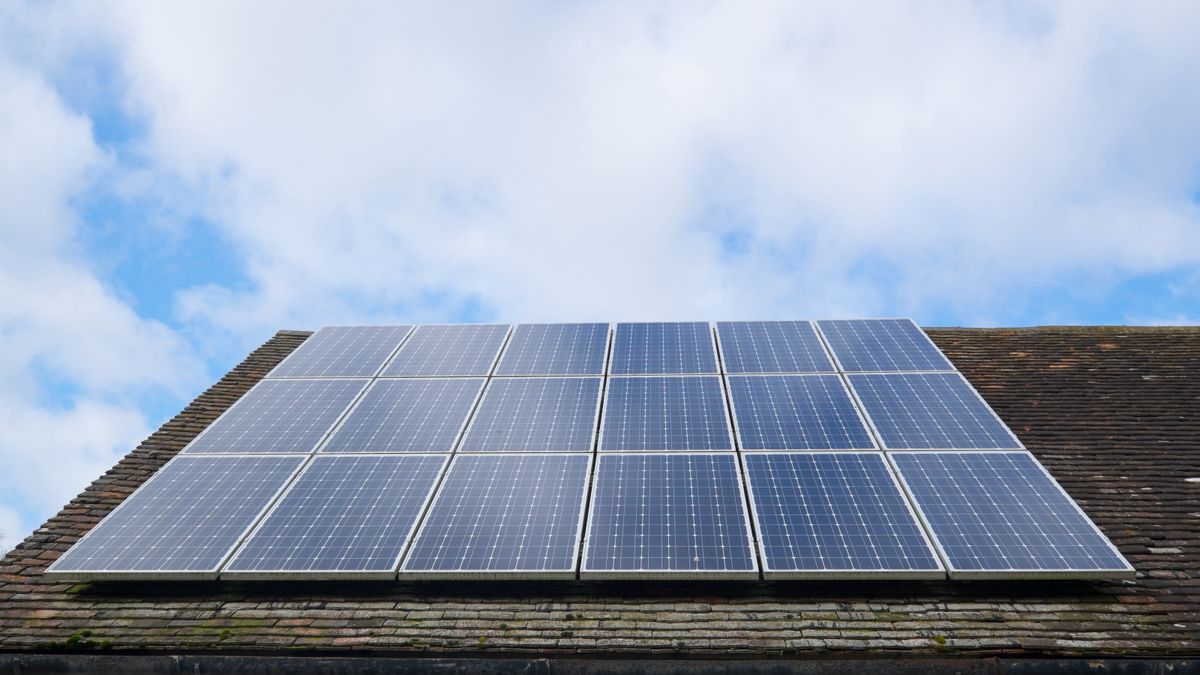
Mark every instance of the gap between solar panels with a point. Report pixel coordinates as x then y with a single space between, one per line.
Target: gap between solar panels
842 449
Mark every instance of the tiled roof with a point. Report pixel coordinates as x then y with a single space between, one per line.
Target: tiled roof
1113 412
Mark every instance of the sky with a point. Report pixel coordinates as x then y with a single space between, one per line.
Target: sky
180 180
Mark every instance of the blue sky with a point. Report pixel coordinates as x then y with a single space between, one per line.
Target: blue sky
180 180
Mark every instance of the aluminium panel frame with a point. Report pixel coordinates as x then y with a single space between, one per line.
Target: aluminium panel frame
751 574
844 573
506 574
180 575
1128 572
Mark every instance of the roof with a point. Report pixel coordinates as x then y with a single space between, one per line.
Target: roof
1111 412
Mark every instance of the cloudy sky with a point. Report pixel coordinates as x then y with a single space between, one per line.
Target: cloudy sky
179 180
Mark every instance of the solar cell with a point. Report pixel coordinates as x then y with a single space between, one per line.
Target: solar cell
835 515
929 411
536 414
407 415
344 516
1001 515
882 345
771 347
668 515
663 348
342 351
182 522
665 413
458 350
504 515
284 416
795 412
555 349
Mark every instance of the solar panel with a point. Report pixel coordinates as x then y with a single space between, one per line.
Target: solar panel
663 348
344 516
459 350
343 351
1001 515
536 414
431 461
668 515
182 522
771 347
929 411
665 413
287 416
795 412
504 515
409 415
835 515
555 349
882 345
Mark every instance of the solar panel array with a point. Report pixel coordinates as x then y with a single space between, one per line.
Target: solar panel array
780 449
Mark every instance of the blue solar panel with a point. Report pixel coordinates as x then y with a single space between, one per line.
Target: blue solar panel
410 415
795 412
665 413
835 514
671 515
342 351
286 416
555 349
344 515
999 514
460 350
183 521
930 411
772 347
514 515
536 414
663 348
882 345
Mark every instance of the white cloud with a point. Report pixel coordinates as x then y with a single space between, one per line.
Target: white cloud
73 357
559 162
10 528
